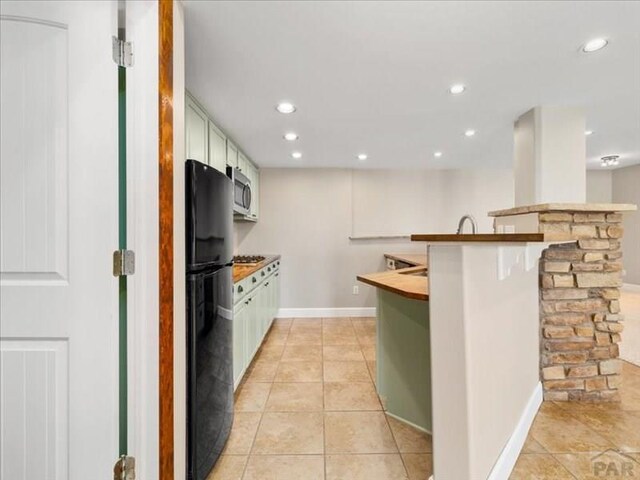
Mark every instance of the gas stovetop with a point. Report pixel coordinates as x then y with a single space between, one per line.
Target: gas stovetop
248 259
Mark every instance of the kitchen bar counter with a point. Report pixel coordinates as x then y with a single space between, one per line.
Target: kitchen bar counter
242 271
408 282
565 207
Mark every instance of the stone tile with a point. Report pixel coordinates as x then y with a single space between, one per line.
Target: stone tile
532 446
367 338
621 428
595 466
305 337
372 371
351 396
299 372
346 372
539 467
369 352
559 432
419 465
252 397
337 322
342 353
270 352
261 371
358 432
365 467
228 467
339 336
295 397
300 324
410 439
302 353
245 426
276 337
285 467
289 434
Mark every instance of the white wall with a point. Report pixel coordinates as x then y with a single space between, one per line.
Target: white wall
626 189
599 186
307 216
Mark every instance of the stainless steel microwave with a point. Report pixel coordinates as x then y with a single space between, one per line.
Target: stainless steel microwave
241 191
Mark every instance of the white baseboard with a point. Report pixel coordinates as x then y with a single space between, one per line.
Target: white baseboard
326 312
509 455
631 287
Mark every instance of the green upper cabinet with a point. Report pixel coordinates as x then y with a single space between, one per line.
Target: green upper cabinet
242 163
232 154
217 148
196 131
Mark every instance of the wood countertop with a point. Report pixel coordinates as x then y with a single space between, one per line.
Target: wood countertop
241 271
414 259
478 237
565 207
405 282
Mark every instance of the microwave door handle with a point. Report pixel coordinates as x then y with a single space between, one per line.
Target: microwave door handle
246 196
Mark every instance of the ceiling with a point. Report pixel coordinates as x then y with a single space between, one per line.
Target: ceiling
373 77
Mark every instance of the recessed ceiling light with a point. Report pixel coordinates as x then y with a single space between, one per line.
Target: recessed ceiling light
588 132
610 161
457 89
290 136
296 155
470 133
437 154
594 45
286 107
362 156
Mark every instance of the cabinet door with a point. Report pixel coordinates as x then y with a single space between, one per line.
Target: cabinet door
239 341
242 163
217 148
232 154
196 134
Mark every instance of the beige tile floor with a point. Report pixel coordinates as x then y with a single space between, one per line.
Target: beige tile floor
566 437
308 410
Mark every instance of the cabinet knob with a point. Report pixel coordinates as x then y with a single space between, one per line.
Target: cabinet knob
254 279
240 289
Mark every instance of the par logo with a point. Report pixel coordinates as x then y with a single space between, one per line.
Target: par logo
614 464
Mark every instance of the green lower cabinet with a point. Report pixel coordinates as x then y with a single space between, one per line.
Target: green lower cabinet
403 358
239 341
253 314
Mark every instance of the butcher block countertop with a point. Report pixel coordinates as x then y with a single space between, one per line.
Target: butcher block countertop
242 271
407 282
478 237
414 259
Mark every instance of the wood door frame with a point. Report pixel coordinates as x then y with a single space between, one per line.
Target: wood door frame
165 273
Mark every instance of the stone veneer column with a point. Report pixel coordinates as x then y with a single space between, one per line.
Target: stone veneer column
579 306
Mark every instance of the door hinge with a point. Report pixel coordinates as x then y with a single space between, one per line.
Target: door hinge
122 52
124 263
125 468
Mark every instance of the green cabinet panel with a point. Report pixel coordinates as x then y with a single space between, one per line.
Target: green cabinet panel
239 342
196 131
217 148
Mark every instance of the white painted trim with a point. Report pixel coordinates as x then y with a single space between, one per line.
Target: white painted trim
509 455
326 312
631 287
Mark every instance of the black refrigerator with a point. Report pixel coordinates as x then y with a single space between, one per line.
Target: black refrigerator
209 245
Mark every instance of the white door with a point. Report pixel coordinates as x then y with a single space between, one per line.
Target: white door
58 170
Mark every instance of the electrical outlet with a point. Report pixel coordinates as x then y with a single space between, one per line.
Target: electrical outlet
356 291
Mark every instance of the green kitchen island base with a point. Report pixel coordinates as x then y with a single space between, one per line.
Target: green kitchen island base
403 369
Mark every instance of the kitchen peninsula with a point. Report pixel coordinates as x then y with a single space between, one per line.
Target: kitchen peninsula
447 342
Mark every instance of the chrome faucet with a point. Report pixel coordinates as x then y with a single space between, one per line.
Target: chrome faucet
474 226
